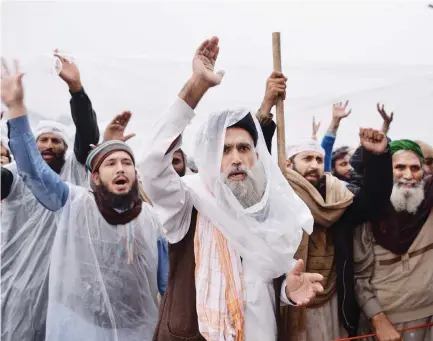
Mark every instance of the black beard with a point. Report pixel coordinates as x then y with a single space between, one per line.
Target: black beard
121 202
57 163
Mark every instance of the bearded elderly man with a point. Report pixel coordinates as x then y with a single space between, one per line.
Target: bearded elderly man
233 228
394 254
328 250
104 258
28 228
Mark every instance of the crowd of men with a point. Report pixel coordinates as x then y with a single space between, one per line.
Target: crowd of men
99 243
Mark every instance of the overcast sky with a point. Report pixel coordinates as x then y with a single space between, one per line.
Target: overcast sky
137 56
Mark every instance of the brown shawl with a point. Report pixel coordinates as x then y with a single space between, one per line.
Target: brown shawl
326 213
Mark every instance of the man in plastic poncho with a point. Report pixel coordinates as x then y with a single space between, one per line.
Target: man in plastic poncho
104 259
28 228
233 228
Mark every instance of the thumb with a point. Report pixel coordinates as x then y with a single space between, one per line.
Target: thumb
127 137
298 268
20 78
221 74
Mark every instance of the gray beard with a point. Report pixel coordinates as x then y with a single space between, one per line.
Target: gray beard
249 191
407 199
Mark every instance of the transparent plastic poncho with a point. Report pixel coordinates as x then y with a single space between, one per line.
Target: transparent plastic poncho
27 235
103 278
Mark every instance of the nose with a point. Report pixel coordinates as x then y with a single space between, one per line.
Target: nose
314 165
407 174
236 160
119 168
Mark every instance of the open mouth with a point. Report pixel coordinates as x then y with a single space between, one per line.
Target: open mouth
120 181
238 175
48 155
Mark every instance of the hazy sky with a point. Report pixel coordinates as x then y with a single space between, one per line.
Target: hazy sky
137 56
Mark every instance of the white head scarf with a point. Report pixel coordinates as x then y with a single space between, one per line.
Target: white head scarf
306 145
265 235
52 127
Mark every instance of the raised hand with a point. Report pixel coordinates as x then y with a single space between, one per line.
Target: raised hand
204 60
373 140
275 88
339 110
301 287
69 73
386 118
12 92
316 127
116 129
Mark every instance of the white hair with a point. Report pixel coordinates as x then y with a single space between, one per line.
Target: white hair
407 199
249 191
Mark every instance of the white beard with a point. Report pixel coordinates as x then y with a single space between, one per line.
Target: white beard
249 191
407 199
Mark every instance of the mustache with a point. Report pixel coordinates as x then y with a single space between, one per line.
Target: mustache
236 169
51 151
312 172
401 182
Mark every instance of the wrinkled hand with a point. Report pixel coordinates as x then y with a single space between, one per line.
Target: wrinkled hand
301 287
69 73
12 92
384 329
373 140
339 110
275 88
316 128
204 60
116 129
386 118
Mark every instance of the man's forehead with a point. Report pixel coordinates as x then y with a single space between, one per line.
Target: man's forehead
236 135
49 136
119 155
309 154
406 157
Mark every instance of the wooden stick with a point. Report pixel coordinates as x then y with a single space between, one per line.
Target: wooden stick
281 135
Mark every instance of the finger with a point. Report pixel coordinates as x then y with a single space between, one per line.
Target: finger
127 137
5 69
221 74
20 78
276 74
361 133
216 53
392 116
370 133
298 268
202 46
378 107
313 277
116 119
349 112
318 287
345 105
17 66
213 43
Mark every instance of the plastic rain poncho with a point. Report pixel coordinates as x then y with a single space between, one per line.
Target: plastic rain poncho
103 278
27 234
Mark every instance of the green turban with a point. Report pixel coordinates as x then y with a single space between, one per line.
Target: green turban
406 145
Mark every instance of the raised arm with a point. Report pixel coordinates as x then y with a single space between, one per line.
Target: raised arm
387 119
160 181
44 183
338 113
375 192
83 115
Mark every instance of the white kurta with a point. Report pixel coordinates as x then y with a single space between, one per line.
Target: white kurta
174 199
27 234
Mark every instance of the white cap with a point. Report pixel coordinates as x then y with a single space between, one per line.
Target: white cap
307 145
53 127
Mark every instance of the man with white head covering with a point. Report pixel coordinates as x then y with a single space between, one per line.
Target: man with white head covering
28 228
233 228
103 267
328 251
394 254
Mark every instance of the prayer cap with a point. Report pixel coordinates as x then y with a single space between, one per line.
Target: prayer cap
307 145
409 145
427 150
247 123
101 152
52 127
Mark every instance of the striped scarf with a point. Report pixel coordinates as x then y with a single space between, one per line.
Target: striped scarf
219 284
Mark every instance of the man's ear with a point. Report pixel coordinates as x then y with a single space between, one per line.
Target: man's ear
288 163
257 155
96 179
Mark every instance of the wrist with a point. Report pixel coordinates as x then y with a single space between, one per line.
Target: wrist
335 123
194 90
75 86
16 110
376 319
265 108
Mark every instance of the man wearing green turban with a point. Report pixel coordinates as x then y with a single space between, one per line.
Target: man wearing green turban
393 254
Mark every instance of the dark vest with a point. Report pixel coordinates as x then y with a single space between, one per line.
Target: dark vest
178 315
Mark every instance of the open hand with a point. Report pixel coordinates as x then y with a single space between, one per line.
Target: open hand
116 129
12 92
386 118
69 73
339 110
373 140
301 287
204 60
316 127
